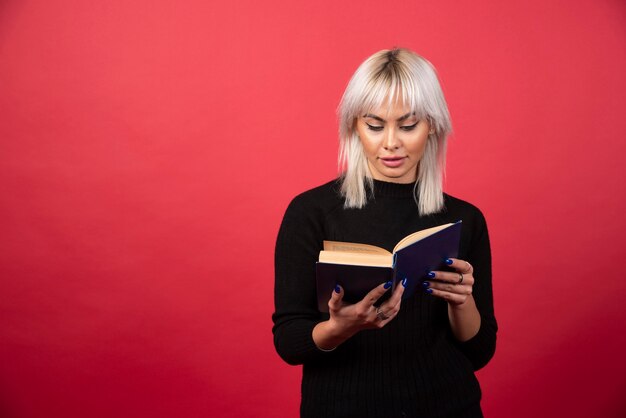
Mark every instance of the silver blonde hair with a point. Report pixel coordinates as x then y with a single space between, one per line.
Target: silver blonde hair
384 78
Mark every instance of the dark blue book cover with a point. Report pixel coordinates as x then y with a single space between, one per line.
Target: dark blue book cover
428 254
357 281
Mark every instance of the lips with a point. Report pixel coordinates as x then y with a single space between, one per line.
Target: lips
392 162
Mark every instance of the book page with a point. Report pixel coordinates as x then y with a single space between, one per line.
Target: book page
416 236
356 259
352 247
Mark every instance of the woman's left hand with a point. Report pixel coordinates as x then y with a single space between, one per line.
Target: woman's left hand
454 287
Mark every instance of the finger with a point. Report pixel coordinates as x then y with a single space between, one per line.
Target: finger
365 311
460 265
453 298
397 294
375 294
391 307
463 289
452 277
336 299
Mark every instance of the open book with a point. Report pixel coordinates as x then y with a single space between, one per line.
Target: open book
359 268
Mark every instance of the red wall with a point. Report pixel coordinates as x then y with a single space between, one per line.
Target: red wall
148 150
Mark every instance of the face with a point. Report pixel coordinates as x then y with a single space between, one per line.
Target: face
394 140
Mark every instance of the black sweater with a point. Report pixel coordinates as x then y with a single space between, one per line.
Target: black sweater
412 367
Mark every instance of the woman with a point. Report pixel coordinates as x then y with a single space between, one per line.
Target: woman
403 358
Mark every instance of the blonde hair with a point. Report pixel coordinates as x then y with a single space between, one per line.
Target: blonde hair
382 79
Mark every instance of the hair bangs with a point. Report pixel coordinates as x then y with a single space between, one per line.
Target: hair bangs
393 85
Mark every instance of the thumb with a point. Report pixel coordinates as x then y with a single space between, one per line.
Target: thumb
336 298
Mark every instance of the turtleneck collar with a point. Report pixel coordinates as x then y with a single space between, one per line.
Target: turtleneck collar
395 190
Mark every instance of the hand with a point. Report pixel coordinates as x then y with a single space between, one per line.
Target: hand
454 287
364 315
348 319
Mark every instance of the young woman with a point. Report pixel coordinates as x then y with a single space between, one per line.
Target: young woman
403 358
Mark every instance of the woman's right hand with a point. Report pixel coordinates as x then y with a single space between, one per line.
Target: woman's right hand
348 319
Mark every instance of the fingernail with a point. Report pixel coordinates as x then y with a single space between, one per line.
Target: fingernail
404 282
429 291
448 261
431 274
425 284
337 288
387 285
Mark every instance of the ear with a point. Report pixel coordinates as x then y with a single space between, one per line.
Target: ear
432 125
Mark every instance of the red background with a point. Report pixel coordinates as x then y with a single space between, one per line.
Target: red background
148 150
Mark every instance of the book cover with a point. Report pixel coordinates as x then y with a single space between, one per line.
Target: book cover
359 268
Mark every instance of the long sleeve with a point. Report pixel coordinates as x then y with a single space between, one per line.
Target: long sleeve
298 245
481 348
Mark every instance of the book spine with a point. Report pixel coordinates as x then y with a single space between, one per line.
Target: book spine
395 272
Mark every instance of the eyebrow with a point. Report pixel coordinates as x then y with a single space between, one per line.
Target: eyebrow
378 118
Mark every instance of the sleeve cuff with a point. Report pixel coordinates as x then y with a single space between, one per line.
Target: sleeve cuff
481 347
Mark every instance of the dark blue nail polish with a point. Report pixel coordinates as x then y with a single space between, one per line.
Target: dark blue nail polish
387 285
337 289
431 274
429 291
425 284
404 282
448 261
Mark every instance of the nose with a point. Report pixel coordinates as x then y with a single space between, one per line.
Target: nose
391 141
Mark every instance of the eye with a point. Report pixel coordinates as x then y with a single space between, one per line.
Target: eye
409 127
374 127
